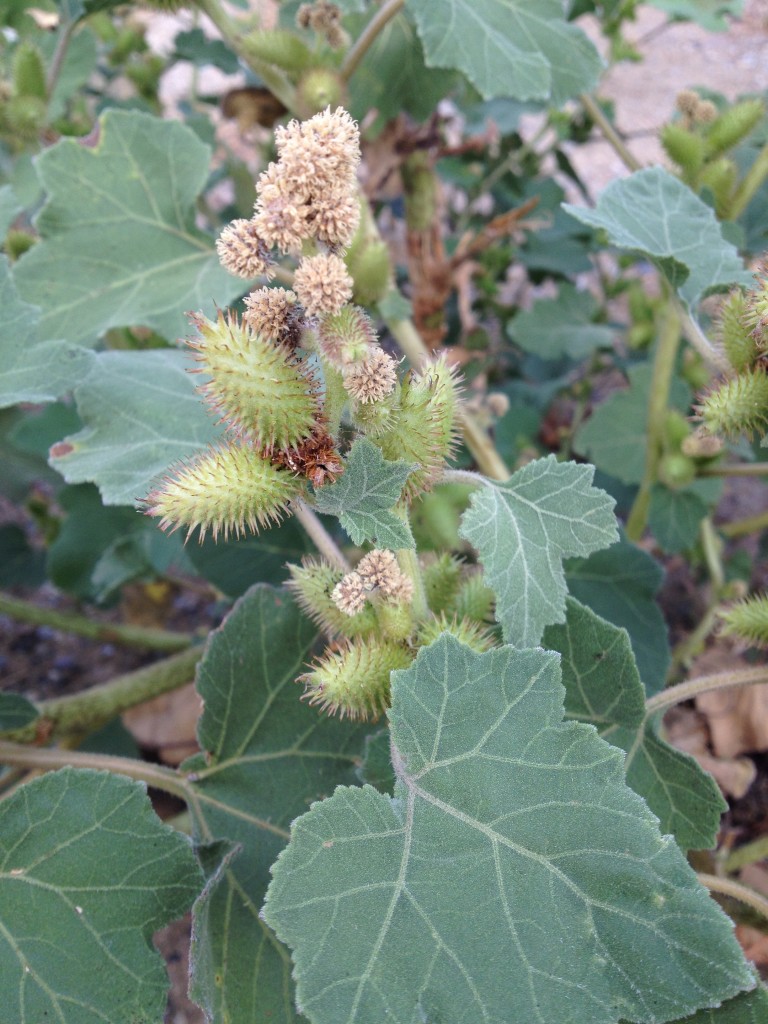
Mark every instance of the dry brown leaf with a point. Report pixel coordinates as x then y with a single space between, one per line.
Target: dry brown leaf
737 719
686 729
167 724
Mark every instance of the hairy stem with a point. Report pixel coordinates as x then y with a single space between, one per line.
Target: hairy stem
712 546
87 711
367 37
661 382
320 537
737 891
750 469
750 853
751 182
705 684
50 758
108 632
608 132
742 527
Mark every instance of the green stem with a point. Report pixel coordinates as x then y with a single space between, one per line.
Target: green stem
108 632
234 35
742 527
737 891
711 544
705 684
741 469
87 711
751 182
661 382
693 644
320 537
367 37
609 133
50 758
750 853
462 476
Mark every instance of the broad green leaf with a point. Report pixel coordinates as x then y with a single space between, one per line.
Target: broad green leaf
32 369
559 327
87 873
602 684
15 711
10 208
620 584
674 517
508 47
748 1008
603 688
523 528
514 876
655 214
267 757
21 565
119 245
615 437
140 413
393 78
710 14
364 496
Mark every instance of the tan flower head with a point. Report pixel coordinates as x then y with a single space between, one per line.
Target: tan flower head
373 378
349 594
320 155
271 313
322 284
379 568
243 250
401 590
334 217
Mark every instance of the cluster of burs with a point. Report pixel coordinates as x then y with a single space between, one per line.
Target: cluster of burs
294 380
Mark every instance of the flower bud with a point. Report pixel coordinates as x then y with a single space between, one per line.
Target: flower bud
279 47
319 88
226 490
684 147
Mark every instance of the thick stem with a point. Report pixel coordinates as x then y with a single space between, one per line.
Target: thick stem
107 632
742 527
50 758
87 711
705 684
752 181
750 469
661 382
320 537
737 891
367 37
609 133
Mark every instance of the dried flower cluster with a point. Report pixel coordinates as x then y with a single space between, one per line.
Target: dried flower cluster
325 19
376 571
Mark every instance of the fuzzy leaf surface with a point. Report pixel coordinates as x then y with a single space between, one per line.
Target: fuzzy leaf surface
365 494
523 528
32 369
267 757
141 413
621 584
512 869
603 688
654 213
508 47
87 873
119 246
748 1008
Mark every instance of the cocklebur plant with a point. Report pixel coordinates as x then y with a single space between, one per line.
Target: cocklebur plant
506 867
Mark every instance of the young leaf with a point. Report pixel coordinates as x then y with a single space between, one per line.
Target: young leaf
364 496
119 245
508 47
513 874
141 413
674 517
87 873
522 530
32 369
620 584
602 687
267 757
654 213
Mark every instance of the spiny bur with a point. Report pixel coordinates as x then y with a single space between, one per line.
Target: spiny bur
748 619
352 679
